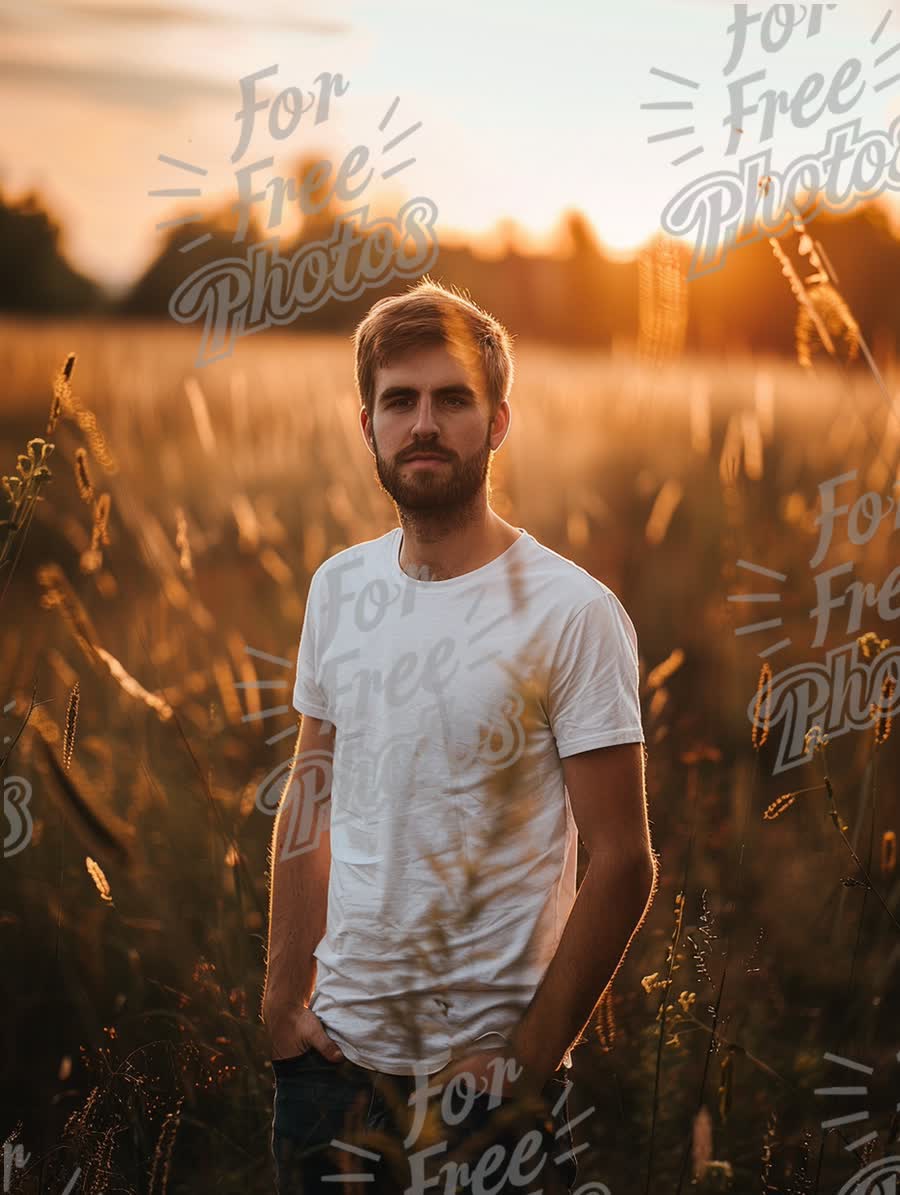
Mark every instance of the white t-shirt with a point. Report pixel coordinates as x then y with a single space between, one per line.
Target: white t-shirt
453 844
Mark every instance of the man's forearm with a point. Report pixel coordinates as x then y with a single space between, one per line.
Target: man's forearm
298 902
609 908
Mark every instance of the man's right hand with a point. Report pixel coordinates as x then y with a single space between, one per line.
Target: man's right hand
293 1031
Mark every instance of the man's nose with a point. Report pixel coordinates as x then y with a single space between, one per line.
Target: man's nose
425 423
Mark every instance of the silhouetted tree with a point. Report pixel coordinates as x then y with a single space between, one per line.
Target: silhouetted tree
34 274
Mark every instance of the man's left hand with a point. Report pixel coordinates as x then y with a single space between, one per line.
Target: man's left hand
495 1071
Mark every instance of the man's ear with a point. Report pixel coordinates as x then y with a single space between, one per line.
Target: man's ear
365 424
501 415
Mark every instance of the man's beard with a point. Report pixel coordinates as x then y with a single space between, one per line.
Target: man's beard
450 487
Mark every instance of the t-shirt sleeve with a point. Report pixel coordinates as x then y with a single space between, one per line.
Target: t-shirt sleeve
309 697
593 688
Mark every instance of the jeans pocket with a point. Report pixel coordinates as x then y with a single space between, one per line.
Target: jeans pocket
288 1066
317 1103
309 1062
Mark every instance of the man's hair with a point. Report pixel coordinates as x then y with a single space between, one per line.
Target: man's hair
430 314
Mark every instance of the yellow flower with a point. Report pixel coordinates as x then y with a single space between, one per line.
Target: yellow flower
648 983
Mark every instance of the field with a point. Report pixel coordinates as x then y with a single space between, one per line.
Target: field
133 1047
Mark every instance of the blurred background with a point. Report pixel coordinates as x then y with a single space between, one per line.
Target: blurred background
667 430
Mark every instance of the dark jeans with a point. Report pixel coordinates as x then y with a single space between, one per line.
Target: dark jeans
340 1119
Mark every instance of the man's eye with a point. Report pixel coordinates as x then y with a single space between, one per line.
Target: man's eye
458 399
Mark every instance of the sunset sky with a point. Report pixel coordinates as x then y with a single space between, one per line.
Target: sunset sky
526 109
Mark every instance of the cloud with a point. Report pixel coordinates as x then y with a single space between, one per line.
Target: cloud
113 85
45 33
123 14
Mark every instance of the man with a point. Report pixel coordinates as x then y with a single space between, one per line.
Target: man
469 703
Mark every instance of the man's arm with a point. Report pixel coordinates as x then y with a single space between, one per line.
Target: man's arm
298 891
609 804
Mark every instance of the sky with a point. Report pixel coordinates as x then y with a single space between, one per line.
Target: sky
520 109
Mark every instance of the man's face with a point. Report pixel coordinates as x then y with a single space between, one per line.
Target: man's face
427 402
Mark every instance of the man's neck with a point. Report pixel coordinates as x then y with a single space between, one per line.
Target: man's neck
437 546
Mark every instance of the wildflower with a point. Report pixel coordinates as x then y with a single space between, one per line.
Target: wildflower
888 851
778 806
83 476
95 871
702 1143
760 730
649 982
814 740
71 722
881 712
871 646
663 671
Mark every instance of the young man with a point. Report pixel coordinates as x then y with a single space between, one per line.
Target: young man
469 704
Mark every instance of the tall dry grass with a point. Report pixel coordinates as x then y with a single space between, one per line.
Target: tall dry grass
134 923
